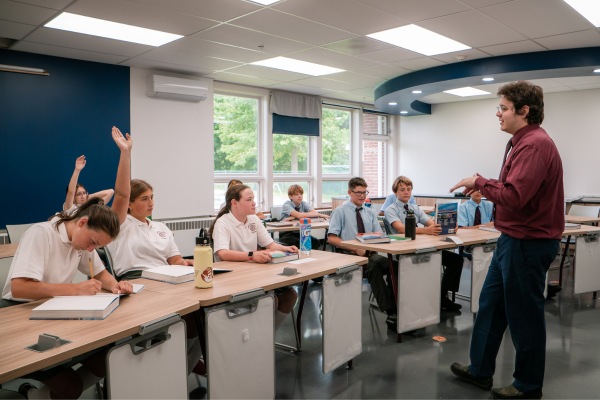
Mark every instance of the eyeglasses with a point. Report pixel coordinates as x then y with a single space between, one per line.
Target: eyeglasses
80 193
365 193
503 109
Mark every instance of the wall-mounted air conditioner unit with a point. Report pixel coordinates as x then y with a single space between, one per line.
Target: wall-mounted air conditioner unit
175 88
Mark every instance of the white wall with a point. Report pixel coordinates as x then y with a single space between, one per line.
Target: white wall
173 148
459 139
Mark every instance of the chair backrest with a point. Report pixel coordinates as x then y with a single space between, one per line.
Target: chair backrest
106 259
16 231
584 211
387 227
276 212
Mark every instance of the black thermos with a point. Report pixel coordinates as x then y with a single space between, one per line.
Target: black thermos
410 225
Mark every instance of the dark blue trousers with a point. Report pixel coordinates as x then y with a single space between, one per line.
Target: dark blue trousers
513 296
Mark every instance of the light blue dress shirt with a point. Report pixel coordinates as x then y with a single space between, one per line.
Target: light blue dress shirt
343 221
466 212
396 212
289 206
392 198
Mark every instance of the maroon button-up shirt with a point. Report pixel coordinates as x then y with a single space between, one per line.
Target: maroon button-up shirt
529 195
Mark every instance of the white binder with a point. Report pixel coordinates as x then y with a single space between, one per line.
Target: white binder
419 288
241 349
342 317
152 365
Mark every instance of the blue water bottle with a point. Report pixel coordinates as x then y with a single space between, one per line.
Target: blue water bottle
305 237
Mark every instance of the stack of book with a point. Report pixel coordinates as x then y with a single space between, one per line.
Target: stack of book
278 256
372 237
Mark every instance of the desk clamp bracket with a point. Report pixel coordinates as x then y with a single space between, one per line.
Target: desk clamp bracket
47 342
422 255
591 237
491 241
488 248
344 275
153 333
243 303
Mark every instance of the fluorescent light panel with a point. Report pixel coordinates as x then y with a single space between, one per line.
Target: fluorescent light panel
589 9
265 2
303 67
111 30
420 40
466 92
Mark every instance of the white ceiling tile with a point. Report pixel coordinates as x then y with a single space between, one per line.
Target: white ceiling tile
267 73
359 80
143 15
291 27
325 83
15 30
418 63
332 59
350 15
24 13
226 76
457 56
538 18
383 71
524 46
72 40
54 4
161 66
358 45
462 26
192 44
201 63
251 39
484 3
218 10
391 55
78 54
589 38
418 10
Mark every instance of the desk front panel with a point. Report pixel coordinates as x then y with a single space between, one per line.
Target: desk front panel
18 331
8 250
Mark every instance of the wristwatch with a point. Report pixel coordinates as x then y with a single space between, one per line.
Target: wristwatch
250 255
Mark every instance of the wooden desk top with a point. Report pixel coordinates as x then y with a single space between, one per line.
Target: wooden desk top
296 227
247 276
8 250
578 219
468 236
18 331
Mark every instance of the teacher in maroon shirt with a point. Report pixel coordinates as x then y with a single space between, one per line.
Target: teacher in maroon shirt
529 211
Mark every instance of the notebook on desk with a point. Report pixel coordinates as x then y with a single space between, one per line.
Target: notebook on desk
77 307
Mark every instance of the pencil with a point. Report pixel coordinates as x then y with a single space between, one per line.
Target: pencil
91 269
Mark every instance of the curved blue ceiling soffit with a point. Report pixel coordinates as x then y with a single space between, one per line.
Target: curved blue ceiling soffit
525 66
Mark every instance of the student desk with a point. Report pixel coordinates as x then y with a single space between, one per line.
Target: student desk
418 293
8 250
578 219
18 331
246 277
296 227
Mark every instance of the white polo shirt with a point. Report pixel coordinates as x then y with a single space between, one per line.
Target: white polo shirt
46 255
142 245
231 234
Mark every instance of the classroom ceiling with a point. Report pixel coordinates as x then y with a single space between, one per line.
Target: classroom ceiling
221 38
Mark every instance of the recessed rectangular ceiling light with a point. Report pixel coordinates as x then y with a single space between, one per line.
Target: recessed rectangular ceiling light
111 30
265 2
466 92
303 67
590 9
420 40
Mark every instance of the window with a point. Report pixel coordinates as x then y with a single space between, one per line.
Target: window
236 135
374 165
220 189
290 154
280 192
335 127
375 124
330 189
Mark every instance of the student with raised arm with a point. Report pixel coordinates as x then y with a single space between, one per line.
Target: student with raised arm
76 192
395 216
49 255
237 232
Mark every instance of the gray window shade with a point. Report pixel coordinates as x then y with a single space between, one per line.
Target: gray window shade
295 114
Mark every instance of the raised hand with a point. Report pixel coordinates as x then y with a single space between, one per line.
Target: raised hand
80 163
123 142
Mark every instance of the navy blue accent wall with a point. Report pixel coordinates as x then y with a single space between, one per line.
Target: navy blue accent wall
46 122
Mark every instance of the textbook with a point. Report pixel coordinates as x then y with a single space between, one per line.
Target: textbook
280 224
571 225
170 273
446 215
77 307
278 256
372 237
398 237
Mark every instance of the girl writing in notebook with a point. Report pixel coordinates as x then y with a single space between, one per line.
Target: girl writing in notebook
76 192
237 232
49 255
